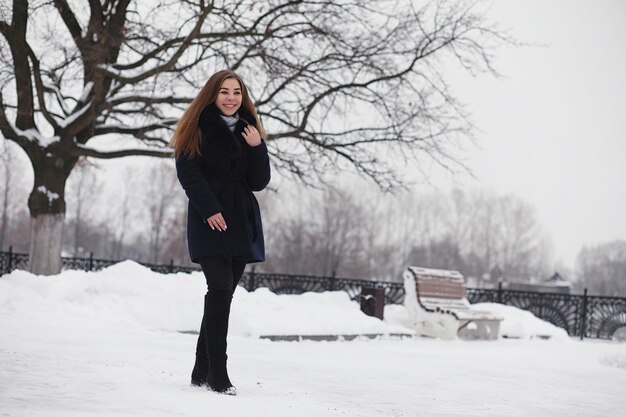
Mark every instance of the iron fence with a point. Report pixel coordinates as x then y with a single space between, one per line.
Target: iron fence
298 284
580 315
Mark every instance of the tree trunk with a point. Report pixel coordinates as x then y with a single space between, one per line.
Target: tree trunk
5 212
47 210
6 158
45 244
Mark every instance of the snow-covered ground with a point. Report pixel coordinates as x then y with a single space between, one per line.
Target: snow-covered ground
116 343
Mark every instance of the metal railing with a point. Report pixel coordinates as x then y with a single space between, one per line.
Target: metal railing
580 315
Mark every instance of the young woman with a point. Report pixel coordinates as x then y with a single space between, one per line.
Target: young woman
220 159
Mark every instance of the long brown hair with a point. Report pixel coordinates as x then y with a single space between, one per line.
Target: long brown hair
187 136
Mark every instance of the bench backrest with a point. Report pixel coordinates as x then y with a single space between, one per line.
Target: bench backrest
438 283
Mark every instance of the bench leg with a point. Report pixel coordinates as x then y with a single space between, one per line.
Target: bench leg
464 325
437 325
480 329
488 329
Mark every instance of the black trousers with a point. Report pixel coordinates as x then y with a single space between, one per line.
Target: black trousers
222 273
222 276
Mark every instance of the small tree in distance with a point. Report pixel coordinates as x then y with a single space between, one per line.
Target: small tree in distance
602 268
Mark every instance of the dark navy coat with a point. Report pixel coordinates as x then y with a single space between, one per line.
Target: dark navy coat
222 180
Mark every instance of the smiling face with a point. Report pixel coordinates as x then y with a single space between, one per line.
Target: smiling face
228 98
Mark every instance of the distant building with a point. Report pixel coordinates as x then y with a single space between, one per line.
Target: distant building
556 283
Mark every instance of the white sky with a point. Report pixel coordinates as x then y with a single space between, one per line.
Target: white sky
553 131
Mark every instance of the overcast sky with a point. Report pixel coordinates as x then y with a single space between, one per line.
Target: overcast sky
553 131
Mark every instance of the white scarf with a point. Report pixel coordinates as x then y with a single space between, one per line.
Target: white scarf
230 121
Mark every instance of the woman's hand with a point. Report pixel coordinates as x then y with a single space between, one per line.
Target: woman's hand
217 221
251 135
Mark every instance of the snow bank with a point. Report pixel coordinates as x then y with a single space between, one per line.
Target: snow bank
522 324
132 296
126 294
328 313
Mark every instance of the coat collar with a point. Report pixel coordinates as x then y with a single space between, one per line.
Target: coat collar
215 130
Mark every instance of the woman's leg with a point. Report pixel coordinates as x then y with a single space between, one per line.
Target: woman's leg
210 366
238 266
201 366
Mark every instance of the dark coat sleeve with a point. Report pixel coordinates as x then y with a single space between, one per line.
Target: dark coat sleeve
258 170
197 187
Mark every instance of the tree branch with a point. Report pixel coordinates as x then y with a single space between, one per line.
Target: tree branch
4 28
40 89
84 151
16 37
9 131
70 20
150 100
169 64
138 132
95 6
5 126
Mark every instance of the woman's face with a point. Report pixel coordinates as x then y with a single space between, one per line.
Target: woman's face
228 98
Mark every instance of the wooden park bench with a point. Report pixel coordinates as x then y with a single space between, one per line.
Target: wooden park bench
438 307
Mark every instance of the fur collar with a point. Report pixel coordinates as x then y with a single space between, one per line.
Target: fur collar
215 130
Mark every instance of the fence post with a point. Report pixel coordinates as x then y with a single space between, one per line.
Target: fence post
171 267
332 281
500 292
10 262
583 316
90 261
251 283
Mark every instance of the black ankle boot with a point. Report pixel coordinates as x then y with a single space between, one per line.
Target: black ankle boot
198 383
218 380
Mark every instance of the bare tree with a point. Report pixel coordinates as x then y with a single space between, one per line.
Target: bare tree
124 69
523 250
470 231
363 232
122 224
7 171
498 230
412 223
289 228
602 268
321 235
340 222
443 253
161 187
12 198
175 238
83 192
120 215
485 232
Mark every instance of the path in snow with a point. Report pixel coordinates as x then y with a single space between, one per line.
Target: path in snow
61 370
